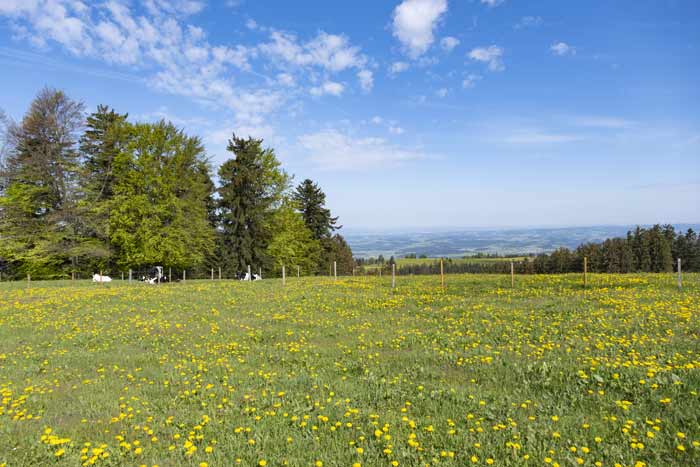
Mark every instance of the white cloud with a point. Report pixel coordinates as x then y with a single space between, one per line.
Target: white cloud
470 80
329 51
491 55
529 22
442 92
492 3
390 125
604 122
251 24
366 78
540 137
562 48
335 150
414 23
18 7
448 43
285 79
398 67
216 139
62 22
174 7
329 87
178 58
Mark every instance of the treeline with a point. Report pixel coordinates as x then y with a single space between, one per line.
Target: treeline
84 193
654 249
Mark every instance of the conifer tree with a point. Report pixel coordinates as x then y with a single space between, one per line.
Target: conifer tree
38 217
252 184
107 134
312 205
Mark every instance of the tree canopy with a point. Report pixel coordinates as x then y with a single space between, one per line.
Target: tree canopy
81 193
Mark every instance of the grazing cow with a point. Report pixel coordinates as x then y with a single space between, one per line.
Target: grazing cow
99 278
247 277
155 276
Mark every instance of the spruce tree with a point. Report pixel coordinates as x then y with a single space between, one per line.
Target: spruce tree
251 186
38 215
106 136
335 248
312 205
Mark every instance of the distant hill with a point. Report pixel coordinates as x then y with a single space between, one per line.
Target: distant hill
457 242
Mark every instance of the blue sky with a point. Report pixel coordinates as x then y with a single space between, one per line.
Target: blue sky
414 113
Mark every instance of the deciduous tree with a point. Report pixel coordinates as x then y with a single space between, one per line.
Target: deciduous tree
158 213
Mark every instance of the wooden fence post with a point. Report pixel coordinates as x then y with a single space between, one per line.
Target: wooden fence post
122 276
393 275
29 281
284 276
442 274
512 275
250 276
129 275
585 271
184 275
335 271
170 274
219 272
212 273
298 272
100 277
680 276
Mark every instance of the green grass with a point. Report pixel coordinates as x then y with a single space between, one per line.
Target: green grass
546 373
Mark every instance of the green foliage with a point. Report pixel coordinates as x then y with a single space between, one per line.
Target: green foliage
643 250
252 185
158 214
137 195
311 201
38 217
292 243
107 134
336 249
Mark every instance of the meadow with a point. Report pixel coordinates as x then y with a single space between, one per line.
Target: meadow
352 373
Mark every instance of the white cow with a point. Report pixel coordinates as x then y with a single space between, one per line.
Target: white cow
247 277
99 278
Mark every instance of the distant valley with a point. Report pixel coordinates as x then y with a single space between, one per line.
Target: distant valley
467 242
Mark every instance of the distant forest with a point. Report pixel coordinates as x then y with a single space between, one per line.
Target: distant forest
82 193
654 249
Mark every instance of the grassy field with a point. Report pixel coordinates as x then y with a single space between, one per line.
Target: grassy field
351 373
